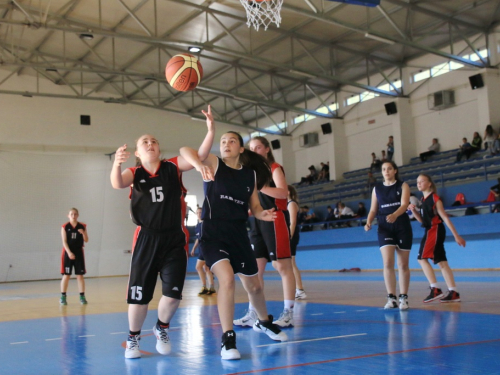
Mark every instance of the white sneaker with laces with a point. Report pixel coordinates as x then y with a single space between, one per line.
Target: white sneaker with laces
285 319
300 294
163 344
248 320
391 303
132 348
403 302
270 329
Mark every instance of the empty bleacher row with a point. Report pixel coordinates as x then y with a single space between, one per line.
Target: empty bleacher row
442 167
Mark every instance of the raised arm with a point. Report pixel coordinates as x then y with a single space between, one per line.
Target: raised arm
442 213
119 179
205 146
281 189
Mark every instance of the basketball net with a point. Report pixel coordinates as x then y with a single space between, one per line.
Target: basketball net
263 12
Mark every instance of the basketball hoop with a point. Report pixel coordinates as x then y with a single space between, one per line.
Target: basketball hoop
262 12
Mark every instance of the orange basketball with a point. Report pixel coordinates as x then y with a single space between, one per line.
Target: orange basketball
184 72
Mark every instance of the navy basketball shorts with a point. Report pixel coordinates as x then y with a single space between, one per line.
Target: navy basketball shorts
399 234
78 263
271 239
157 253
432 245
228 240
294 241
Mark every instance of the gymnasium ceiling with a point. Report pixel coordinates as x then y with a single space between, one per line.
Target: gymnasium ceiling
116 50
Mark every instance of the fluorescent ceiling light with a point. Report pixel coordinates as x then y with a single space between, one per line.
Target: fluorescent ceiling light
379 38
194 49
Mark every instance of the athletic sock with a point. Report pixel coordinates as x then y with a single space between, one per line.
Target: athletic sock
134 333
289 304
82 294
63 294
434 285
454 288
250 307
160 324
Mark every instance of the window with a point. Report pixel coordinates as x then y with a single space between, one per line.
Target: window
421 75
353 100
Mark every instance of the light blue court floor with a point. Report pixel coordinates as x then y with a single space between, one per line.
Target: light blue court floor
326 339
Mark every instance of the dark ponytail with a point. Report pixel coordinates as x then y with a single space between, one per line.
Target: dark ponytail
256 162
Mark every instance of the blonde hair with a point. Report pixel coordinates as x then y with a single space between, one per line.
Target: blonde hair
433 185
74 209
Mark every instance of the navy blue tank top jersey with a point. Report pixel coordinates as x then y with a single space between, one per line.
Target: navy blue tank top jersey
388 197
157 198
197 231
428 211
267 202
73 237
228 195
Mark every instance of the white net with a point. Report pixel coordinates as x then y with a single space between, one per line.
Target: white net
262 12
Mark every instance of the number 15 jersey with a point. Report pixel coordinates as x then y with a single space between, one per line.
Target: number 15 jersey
157 198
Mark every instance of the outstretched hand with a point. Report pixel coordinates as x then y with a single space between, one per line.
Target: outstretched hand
121 155
210 118
206 172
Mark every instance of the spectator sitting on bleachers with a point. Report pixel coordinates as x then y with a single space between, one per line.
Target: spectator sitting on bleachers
375 165
496 146
465 149
390 148
370 184
310 177
301 218
383 158
324 173
330 216
361 210
490 136
433 149
309 219
496 190
345 213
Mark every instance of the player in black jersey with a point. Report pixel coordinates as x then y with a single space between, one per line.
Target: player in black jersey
390 201
158 208
74 235
230 188
432 215
293 209
203 272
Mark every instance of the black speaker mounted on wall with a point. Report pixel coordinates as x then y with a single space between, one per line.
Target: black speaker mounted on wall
84 120
276 145
476 81
391 109
326 128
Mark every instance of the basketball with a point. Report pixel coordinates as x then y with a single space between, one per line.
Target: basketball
184 72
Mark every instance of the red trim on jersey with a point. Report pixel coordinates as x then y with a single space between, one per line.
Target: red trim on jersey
430 243
134 239
436 219
282 236
280 203
62 261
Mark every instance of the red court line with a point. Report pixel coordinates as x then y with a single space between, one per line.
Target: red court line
365 356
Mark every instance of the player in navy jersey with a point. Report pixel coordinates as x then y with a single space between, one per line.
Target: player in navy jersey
271 240
390 201
231 187
74 235
432 215
158 208
203 272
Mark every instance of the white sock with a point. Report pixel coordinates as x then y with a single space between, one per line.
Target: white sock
454 288
434 285
289 304
250 307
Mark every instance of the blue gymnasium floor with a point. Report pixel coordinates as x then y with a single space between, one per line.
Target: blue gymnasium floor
326 339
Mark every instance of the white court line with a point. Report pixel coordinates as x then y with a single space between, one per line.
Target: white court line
317 314
320 339
339 312
87 336
360 310
20 342
59 338
118 333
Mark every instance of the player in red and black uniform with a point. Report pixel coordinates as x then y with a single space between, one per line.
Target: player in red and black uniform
203 272
432 215
231 185
158 208
271 240
74 235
